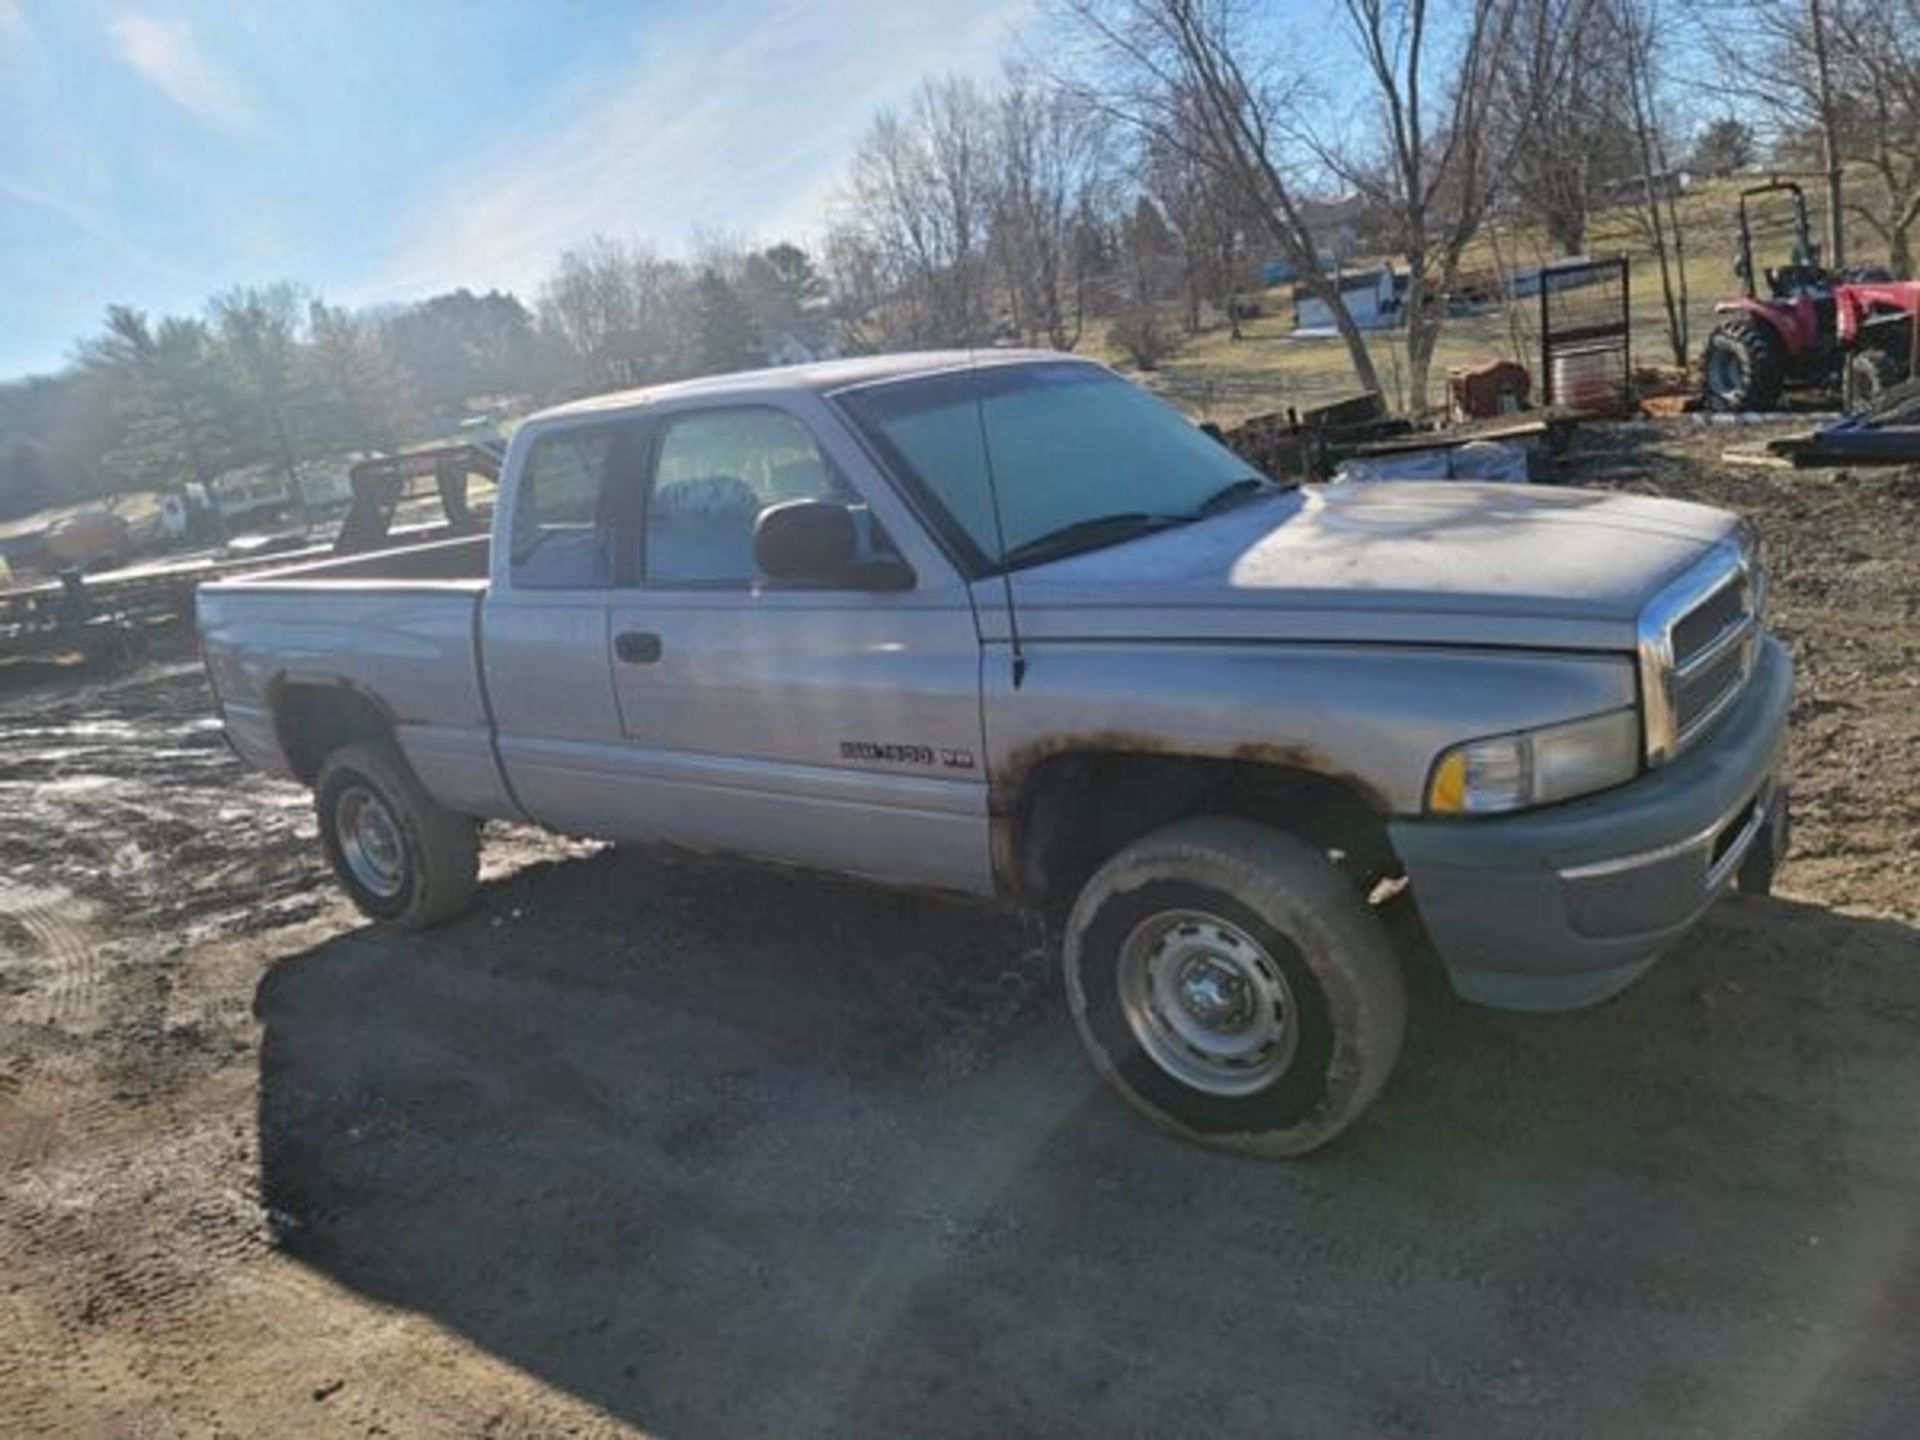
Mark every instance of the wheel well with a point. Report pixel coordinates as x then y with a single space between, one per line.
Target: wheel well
313 721
1076 811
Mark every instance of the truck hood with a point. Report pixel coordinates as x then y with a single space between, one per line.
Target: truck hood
1393 562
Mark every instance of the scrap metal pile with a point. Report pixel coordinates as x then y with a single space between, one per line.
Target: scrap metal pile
1315 444
1886 432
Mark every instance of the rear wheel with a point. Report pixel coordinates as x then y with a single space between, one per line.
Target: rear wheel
1744 366
401 857
1230 984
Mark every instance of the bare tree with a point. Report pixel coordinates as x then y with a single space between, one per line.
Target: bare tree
1831 145
1051 187
919 213
624 313
1436 160
1209 226
1774 59
1560 101
1657 214
1876 54
858 288
1182 75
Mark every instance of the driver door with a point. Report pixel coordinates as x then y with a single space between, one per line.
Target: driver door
827 727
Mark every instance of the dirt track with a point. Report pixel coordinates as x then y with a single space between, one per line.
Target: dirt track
702 1151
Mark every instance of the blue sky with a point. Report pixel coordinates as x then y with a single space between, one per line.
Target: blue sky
378 150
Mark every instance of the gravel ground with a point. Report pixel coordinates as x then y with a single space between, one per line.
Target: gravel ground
650 1144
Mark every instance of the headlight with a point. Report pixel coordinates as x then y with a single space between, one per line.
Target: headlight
1536 767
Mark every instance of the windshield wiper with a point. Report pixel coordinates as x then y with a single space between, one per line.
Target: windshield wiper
1090 534
1234 493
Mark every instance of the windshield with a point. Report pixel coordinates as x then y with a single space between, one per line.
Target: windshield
1076 452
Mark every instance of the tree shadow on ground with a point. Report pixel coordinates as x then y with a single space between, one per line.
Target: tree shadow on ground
728 1151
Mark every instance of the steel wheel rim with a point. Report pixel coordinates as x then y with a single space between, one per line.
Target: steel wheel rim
1207 1003
1723 371
370 841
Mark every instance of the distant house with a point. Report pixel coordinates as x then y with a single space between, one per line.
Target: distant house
1372 298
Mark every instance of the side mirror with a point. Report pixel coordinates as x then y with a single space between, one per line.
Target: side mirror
813 542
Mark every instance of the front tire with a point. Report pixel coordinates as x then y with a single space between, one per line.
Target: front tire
1229 983
1744 367
400 856
1870 374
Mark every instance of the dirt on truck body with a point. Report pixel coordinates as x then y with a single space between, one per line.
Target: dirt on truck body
650 1144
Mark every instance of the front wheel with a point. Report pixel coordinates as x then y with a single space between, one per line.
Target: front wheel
1744 367
1870 374
1229 983
401 857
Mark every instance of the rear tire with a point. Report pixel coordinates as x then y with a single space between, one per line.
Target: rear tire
1744 366
1229 983
400 856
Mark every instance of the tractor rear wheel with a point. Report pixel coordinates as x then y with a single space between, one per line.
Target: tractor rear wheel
1870 374
1745 366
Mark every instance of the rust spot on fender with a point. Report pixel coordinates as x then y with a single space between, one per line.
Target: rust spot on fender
1011 773
1294 756
1284 754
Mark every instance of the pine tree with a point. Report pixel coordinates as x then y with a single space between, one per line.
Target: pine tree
169 397
259 327
724 329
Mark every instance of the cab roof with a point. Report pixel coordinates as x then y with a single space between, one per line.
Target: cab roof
820 376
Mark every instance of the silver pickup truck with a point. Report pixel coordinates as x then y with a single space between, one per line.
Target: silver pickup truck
1007 626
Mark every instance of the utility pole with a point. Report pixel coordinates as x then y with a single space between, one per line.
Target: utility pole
1829 141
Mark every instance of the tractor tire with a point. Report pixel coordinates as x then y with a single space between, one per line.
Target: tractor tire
1744 366
1870 374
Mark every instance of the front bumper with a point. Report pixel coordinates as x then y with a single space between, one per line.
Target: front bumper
1566 906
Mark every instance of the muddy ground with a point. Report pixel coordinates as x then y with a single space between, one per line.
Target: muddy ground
650 1144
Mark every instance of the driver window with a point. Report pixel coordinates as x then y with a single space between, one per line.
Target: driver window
717 469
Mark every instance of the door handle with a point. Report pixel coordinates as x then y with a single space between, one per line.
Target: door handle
637 647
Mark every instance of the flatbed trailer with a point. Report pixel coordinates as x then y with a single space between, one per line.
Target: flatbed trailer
110 612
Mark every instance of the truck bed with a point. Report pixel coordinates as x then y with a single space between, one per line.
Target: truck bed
399 630
466 558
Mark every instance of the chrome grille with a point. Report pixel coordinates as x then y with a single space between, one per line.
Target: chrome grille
1702 625
1698 640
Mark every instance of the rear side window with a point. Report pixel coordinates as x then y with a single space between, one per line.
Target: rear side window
562 536
718 469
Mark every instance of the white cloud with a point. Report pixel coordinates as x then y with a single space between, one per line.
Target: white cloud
166 53
736 117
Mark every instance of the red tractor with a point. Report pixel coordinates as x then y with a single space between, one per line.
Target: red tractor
1853 329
